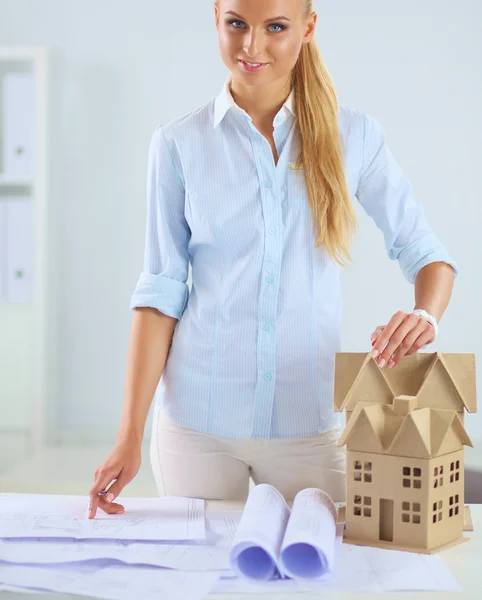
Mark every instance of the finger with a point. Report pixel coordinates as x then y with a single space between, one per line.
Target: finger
116 488
111 508
425 338
374 336
407 344
398 339
387 333
376 332
103 480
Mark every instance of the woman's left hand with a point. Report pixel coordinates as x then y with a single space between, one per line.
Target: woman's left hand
404 334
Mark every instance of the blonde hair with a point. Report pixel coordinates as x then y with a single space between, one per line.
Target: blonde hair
321 152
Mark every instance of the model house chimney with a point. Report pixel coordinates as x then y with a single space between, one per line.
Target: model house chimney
402 405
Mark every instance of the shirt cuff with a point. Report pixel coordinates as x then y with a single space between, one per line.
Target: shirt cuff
168 295
412 271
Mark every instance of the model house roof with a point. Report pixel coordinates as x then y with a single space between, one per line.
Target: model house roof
402 429
443 381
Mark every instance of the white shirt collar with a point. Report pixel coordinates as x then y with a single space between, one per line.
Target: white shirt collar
225 101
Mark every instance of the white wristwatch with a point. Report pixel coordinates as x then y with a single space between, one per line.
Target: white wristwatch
430 319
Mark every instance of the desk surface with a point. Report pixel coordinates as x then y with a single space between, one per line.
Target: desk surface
463 560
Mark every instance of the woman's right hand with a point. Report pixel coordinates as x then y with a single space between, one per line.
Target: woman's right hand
122 464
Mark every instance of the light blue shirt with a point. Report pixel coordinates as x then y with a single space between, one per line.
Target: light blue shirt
253 351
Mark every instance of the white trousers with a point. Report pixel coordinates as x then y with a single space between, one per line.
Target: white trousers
198 465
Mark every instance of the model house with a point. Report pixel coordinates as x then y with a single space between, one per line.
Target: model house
443 381
405 453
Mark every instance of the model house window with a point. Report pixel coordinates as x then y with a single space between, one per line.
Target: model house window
362 471
454 471
414 512
366 506
454 505
437 473
412 477
437 511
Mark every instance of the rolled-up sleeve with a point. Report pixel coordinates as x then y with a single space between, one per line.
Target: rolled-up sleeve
162 284
385 194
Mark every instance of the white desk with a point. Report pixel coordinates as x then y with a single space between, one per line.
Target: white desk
464 560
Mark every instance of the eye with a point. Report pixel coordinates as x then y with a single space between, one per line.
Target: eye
282 27
232 21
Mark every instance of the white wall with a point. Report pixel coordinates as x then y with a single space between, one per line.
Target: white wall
120 69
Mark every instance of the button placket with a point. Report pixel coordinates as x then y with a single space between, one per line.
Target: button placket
268 302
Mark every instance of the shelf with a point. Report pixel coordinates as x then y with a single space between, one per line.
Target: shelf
12 181
24 301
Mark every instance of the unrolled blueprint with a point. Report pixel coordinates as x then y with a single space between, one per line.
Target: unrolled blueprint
49 516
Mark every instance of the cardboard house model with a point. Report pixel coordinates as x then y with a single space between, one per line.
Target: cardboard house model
405 442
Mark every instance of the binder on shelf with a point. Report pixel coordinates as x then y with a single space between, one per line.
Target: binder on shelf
18 124
20 249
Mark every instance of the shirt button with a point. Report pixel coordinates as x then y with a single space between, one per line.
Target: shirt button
267 327
267 376
270 279
268 183
272 230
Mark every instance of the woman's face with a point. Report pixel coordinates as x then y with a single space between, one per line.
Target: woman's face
257 34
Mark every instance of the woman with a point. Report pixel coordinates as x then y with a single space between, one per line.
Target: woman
254 190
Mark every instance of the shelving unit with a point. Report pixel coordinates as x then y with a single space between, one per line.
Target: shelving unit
24 356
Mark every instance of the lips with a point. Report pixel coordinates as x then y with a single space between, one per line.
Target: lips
252 62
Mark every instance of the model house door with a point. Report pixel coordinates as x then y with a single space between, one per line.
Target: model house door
386 520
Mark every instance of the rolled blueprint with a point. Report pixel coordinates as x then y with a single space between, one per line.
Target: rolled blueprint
256 546
308 547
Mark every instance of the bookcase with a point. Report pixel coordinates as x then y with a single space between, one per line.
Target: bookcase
24 352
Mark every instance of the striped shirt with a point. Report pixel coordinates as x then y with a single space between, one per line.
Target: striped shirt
253 350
